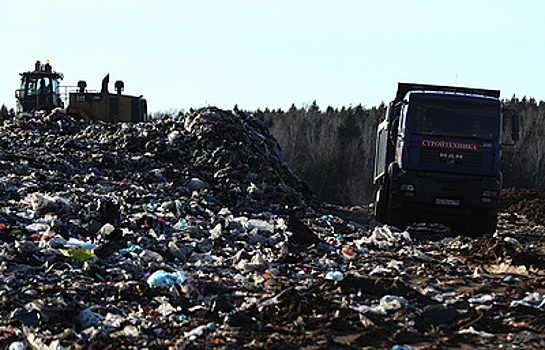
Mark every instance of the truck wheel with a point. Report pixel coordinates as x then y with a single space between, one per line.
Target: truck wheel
395 215
381 205
397 218
459 228
485 222
481 222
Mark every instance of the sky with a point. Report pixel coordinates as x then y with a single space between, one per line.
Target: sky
259 54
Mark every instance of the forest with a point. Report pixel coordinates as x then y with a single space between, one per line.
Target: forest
333 150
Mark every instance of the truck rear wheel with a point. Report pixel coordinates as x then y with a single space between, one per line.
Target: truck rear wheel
381 205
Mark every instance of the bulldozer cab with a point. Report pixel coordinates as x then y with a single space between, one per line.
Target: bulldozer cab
39 89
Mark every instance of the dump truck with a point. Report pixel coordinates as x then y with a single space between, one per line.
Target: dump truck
40 91
438 157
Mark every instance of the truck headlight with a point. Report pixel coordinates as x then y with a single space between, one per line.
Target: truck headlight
489 193
407 188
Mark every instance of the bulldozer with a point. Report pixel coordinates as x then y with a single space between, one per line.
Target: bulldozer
39 91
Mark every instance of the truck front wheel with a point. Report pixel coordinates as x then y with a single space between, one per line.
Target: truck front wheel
479 223
397 218
484 222
395 213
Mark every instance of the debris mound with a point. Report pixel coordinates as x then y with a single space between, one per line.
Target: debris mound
527 202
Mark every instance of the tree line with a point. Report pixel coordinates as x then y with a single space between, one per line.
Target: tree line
4 112
333 150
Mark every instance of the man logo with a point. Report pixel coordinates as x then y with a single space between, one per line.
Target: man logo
451 158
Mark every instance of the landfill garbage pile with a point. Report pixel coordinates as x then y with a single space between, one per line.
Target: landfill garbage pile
192 232
527 202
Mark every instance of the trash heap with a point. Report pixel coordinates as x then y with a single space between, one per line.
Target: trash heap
528 202
192 232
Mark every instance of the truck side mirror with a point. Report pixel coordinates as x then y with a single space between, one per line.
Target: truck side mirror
515 133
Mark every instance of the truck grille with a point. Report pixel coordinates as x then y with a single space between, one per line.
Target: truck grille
450 158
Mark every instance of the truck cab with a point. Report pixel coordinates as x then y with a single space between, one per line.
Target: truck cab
438 158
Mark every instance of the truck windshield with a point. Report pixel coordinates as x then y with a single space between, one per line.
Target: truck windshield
440 116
